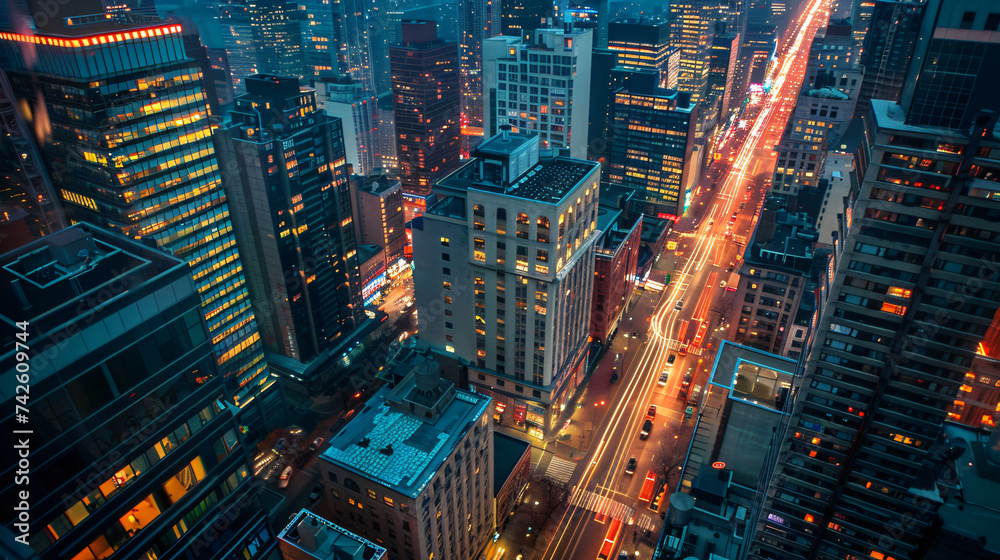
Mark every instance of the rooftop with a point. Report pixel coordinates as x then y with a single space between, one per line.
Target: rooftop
64 276
973 510
377 183
507 452
390 445
309 535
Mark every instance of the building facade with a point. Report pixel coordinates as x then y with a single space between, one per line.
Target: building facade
541 87
641 44
413 471
149 173
285 172
134 451
692 25
345 98
511 238
616 259
310 537
427 105
379 218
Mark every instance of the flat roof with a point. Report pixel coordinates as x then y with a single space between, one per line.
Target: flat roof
418 448
507 452
973 511
550 180
332 542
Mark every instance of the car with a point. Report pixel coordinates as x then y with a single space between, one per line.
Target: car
647 427
711 222
651 412
630 466
286 477
671 359
315 444
316 492
680 304
686 382
735 214
635 334
663 379
683 350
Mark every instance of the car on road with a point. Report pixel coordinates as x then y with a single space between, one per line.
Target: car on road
651 412
286 477
647 427
679 305
685 384
671 359
630 467
316 492
315 444
663 379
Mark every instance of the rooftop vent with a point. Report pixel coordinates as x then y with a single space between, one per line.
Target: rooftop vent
364 442
387 450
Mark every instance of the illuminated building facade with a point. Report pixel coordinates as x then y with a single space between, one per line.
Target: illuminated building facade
427 105
479 20
506 255
616 258
261 36
652 139
520 18
413 470
286 179
913 296
344 98
129 147
692 24
532 87
641 44
379 218
134 451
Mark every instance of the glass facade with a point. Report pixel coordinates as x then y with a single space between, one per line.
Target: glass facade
127 140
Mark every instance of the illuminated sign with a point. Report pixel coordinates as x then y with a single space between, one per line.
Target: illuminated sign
500 407
777 519
93 40
663 216
718 465
371 288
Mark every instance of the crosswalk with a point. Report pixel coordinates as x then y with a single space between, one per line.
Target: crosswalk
645 523
602 505
560 469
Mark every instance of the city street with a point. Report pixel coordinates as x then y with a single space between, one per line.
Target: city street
687 315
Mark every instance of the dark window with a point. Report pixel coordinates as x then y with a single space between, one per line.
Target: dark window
351 485
332 476
445 257
127 368
967 19
447 324
993 21
446 271
89 392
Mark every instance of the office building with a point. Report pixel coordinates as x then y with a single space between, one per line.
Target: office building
151 173
692 25
520 18
886 49
616 257
261 36
427 106
379 218
310 537
641 44
723 77
479 20
541 212
858 464
413 470
862 16
511 473
344 98
653 135
533 85
135 452
285 173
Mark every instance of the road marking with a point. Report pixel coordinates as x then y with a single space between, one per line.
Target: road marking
645 523
602 505
560 469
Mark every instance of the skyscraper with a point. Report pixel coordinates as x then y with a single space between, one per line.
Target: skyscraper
346 99
520 18
132 151
641 44
134 451
262 36
913 296
533 84
480 20
651 142
692 24
285 172
427 105
887 47
507 262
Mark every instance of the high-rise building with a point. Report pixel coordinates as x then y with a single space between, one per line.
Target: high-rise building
480 20
652 140
522 322
345 98
427 105
520 18
413 471
285 173
641 44
830 88
261 36
134 451
722 74
533 84
149 173
888 44
913 296
692 25
378 216
861 20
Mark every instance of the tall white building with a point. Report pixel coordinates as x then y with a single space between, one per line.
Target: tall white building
357 109
540 87
506 270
